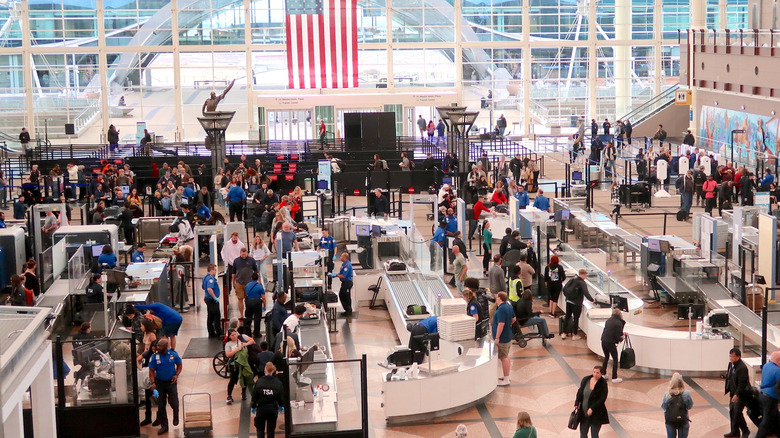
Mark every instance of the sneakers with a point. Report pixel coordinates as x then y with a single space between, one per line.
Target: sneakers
563 335
229 400
618 380
551 315
576 338
504 381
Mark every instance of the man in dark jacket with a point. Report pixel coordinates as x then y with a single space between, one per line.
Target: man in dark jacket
594 127
611 336
575 291
505 242
516 166
628 129
738 389
429 163
698 181
381 206
688 139
687 187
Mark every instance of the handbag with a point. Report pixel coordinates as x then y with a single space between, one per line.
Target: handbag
627 356
574 420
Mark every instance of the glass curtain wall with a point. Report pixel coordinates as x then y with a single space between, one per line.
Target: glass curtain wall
542 63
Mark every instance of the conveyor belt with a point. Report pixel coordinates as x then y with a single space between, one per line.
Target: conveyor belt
437 286
405 292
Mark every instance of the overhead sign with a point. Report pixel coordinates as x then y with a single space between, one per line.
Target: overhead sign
682 97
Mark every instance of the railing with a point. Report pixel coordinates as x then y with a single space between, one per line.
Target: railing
733 40
652 106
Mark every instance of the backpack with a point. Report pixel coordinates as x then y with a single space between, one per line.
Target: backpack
676 412
165 202
569 290
411 164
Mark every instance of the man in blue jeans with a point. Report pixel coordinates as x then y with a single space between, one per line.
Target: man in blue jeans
687 188
503 320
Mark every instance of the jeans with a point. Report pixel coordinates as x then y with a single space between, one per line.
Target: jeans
682 432
610 349
265 422
769 423
586 425
686 201
263 271
213 316
168 394
253 313
573 311
459 285
540 323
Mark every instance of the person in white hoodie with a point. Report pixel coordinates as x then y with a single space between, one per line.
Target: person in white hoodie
73 179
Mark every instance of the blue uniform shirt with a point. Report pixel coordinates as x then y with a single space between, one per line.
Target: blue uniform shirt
188 192
542 203
346 271
769 375
504 313
107 259
164 366
209 282
452 224
138 256
328 243
165 313
438 236
254 290
205 212
236 194
522 198
431 324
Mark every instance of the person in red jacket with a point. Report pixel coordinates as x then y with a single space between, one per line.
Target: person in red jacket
498 195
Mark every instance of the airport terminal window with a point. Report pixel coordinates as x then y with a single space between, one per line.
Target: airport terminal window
372 21
557 21
214 23
11 74
674 16
736 13
269 70
372 68
605 17
642 19
495 22
427 67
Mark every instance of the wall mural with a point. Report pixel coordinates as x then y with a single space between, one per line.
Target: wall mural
760 137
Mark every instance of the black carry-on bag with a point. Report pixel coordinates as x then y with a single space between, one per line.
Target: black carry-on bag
627 356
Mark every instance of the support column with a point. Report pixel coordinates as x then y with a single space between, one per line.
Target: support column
42 395
659 45
103 72
593 66
251 106
458 9
698 22
29 92
526 70
723 18
13 426
698 14
622 57
177 94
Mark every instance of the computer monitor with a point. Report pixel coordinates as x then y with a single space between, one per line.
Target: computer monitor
125 190
307 357
362 230
376 230
446 180
576 175
696 308
619 302
562 215
97 250
322 184
664 246
654 245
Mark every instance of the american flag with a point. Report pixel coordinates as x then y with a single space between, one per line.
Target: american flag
322 43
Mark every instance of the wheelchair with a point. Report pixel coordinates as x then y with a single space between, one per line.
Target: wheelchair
522 338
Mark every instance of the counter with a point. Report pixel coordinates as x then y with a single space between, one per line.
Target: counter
658 349
425 397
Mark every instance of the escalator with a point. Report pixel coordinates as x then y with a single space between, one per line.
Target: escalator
652 107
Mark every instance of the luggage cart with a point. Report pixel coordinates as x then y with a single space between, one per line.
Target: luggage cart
197 420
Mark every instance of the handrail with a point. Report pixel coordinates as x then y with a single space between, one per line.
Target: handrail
640 113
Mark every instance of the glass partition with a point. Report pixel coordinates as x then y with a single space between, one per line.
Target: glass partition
326 397
77 270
